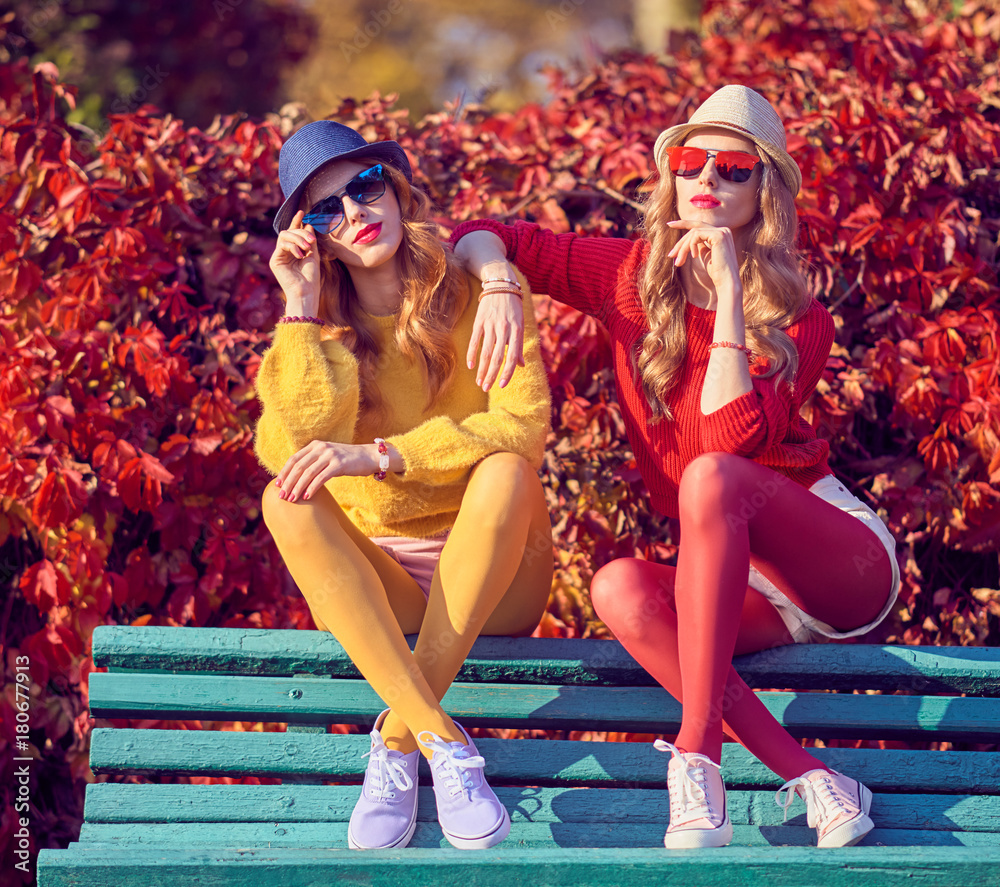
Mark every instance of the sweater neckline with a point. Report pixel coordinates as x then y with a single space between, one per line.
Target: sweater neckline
383 321
697 311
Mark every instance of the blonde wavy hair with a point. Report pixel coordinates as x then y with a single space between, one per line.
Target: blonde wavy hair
774 288
435 295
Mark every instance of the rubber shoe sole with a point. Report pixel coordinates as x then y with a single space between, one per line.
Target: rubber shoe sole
699 838
402 842
483 842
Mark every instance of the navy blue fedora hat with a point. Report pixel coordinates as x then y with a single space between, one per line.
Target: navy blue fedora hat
320 142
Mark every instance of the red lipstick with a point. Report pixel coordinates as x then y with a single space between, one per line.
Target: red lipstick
368 233
704 201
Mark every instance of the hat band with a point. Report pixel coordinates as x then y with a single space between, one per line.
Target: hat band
730 125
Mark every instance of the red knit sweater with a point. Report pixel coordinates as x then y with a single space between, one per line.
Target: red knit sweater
599 276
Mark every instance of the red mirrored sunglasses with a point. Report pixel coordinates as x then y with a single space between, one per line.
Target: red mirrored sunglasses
733 166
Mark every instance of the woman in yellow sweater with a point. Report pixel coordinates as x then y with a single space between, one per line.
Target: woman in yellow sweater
406 498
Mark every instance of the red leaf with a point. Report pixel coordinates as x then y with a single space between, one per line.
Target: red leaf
140 482
44 587
60 499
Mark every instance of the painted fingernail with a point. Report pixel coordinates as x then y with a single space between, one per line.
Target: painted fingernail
306 496
277 483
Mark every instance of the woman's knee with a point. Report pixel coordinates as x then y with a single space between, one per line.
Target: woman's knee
503 486
630 589
271 504
505 469
288 520
709 480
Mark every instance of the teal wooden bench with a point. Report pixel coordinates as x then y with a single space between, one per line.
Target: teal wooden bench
584 813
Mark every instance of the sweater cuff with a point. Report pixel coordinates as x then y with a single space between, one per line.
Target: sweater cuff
736 427
304 333
499 228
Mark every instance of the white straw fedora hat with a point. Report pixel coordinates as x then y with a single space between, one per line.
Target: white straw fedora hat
745 112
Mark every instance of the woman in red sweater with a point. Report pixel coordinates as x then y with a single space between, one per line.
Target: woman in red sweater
716 344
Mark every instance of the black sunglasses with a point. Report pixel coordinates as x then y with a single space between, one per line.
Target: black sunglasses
733 166
366 187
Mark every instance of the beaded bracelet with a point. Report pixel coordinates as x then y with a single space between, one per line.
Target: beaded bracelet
315 320
735 345
487 280
509 291
383 459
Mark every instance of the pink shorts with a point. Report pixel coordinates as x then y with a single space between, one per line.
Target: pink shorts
419 557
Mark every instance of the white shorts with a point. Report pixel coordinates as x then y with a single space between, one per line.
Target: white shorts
803 627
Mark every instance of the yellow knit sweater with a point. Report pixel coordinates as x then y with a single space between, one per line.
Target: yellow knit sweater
309 391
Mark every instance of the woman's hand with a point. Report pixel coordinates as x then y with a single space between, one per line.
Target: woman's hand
499 322
714 248
295 265
312 466
499 326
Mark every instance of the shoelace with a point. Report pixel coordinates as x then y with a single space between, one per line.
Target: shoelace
820 799
386 771
453 763
693 802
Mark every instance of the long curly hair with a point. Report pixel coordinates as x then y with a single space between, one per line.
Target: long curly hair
775 294
435 295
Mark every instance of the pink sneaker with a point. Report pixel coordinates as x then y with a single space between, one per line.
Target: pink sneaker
836 806
698 815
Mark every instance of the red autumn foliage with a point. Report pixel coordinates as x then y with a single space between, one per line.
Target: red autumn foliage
137 302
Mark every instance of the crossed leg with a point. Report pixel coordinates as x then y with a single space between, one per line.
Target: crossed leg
493 577
684 625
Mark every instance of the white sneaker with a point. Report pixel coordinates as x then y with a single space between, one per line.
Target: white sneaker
386 813
698 815
836 806
470 813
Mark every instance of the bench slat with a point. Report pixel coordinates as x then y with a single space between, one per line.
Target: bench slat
525 834
872 866
638 709
973 670
334 803
223 753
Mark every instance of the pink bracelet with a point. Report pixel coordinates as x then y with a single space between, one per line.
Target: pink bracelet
509 291
735 345
315 320
383 459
